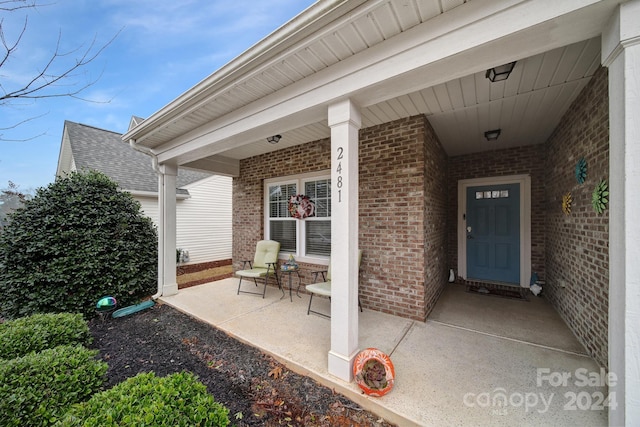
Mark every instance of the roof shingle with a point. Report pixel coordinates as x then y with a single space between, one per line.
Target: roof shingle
104 151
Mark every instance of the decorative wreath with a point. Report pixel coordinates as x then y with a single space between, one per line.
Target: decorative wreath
301 206
600 196
374 372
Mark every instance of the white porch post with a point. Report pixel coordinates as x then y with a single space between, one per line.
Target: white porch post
621 54
344 120
167 281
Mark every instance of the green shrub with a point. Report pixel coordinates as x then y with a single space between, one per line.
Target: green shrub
75 241
38 389
41 331
146 400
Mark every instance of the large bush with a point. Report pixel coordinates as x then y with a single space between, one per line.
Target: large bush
41 331
146 400
77 240
39 388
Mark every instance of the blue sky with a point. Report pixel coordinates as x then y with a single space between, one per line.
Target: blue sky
164 47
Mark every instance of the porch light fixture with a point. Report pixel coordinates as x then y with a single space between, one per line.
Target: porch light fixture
274 139
492 135
501 72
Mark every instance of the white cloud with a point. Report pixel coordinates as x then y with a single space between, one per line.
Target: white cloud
207 23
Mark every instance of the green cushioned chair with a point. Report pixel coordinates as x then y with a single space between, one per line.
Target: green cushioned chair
323 288
265 262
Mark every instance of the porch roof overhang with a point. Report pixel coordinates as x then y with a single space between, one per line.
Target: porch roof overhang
393 58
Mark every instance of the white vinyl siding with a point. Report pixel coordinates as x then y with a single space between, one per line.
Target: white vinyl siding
149 207
203 225
204 220
66 163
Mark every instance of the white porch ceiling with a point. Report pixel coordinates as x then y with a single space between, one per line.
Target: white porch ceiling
526 107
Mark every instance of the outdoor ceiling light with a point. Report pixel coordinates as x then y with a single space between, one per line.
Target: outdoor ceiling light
274 139
501 72
492 135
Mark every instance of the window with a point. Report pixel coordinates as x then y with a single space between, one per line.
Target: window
493 194
309 237
318 228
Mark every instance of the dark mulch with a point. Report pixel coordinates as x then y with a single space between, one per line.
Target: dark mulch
255 388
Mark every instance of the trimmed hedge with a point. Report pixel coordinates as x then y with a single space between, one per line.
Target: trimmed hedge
38 389
146 400
41 331
77 240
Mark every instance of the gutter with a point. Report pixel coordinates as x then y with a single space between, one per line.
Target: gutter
153 194
148 152
156 168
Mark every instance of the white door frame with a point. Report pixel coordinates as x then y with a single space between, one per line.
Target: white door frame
525 221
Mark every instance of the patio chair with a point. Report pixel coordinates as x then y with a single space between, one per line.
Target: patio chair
265 262
323 288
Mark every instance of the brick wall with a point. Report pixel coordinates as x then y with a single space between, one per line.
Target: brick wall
527 160
402 217
408 210
392 203
248 191
577 279
436 214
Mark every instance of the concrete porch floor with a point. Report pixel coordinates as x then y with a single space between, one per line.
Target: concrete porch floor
477 361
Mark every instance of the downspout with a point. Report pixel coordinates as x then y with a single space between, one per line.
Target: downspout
156 168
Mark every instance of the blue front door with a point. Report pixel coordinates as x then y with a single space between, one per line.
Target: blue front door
493 233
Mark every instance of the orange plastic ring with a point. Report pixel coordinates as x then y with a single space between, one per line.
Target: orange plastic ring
367 371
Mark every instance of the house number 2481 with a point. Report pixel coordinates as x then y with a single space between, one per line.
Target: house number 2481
339 182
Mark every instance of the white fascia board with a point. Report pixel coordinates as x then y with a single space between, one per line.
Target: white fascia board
198 144
219 165
452 37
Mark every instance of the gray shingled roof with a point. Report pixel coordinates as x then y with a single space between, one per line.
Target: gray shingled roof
104 151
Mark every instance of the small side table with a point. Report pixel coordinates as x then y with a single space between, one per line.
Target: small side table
289 270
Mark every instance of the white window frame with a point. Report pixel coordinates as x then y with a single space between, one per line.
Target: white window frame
299 180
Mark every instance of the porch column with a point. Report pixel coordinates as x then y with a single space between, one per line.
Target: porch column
621 54
167 282
344 121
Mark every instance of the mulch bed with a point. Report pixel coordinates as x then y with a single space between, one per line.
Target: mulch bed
255 388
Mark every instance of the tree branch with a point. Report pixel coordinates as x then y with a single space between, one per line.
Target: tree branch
58 76
2 138
9 49
13 5
44 80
